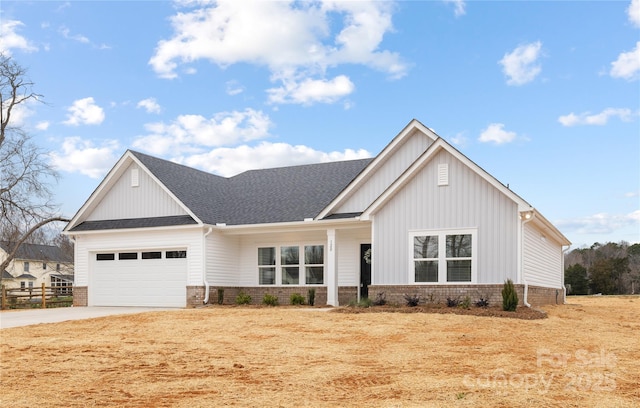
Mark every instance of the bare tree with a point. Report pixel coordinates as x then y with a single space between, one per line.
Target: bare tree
25 196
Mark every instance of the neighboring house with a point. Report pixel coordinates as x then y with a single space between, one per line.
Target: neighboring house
156 233
34 265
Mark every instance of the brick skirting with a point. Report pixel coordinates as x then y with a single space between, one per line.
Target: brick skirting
80 295
536 296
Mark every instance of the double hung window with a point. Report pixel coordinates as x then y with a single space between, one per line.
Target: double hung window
291 265
443 256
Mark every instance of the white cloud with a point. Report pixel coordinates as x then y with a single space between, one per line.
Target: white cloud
233 87
601 118
84 112
44 125
10 39
231 161
293 40
633 11
81 156
150 105
66 33
627 66
309 91
601 223
520 65
460 139
192 132
459 7
495 133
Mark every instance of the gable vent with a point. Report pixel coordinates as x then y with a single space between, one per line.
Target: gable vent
443 174
135 177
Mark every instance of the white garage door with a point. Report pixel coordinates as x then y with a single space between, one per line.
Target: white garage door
138 278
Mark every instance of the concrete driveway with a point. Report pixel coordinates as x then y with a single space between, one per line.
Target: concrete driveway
18 318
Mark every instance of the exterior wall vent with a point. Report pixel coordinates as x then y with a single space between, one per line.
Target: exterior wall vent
135 177
443 174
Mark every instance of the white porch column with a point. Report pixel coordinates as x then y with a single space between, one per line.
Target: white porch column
331 271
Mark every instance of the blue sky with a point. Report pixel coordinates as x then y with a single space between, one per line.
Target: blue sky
543 95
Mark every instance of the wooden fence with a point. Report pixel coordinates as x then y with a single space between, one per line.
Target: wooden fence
45 296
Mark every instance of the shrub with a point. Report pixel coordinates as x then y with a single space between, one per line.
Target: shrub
296 299
312 296
363 303
243 299
412 300
453 302
270 300
482 302
220 296
509 297
381 299
466 303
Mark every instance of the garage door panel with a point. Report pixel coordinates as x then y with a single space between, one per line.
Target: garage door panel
138 282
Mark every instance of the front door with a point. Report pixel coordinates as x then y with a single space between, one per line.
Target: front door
365 270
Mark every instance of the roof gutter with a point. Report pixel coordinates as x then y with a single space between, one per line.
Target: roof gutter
204 266
564 288
526 216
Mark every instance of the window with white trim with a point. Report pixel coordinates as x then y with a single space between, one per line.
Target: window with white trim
443 256
267 266
291 265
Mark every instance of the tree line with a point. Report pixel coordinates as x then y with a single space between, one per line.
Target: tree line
609 269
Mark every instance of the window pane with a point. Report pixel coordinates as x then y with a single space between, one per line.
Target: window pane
266 256
425 247
128 255
176 254
459 246
26 266
426 271
314 254
267 276
289 255
459 271
290 275
105 257
315 275
152 255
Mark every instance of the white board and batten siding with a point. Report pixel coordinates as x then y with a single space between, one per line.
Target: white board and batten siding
166 239
542 261
467 201
135 195
394 165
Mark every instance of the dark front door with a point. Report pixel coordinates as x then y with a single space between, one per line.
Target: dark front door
365 270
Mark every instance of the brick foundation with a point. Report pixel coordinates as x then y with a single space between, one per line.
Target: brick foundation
536 295
80 296
195 296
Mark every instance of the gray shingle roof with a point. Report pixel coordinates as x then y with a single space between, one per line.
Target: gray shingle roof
256 196
134 223
36 252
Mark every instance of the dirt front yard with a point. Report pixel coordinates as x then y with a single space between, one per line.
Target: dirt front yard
586 353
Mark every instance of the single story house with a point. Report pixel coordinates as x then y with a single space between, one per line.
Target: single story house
36 264
420 219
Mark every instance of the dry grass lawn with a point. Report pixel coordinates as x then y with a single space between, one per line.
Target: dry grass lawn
585 354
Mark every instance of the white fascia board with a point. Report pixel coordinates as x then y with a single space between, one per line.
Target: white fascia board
377 162
546 226
423 160
346 223
112 176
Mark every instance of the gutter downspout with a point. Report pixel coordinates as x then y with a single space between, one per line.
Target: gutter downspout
564 288
204 266
526 285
